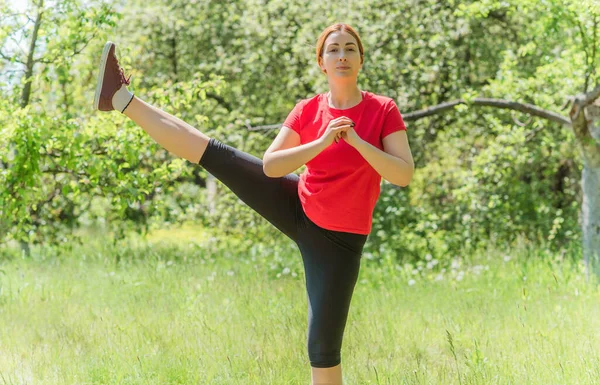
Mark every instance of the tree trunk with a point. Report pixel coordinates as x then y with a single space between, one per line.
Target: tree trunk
590 181
25 96
585 117
30 61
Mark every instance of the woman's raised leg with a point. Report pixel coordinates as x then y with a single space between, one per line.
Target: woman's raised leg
175 135
172 133
275 199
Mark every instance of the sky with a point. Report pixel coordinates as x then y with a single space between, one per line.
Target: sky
10 45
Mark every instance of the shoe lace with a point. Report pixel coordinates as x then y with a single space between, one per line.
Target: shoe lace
119 72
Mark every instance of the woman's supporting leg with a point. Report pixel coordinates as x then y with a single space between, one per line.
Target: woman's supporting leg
331 264
173 134
330 281
327 376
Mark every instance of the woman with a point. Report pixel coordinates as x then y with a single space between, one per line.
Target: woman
348 140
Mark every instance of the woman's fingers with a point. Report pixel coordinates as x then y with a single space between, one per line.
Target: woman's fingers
339 125
338 131
342 128
341 120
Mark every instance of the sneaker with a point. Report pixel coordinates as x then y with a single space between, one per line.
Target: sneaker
110 79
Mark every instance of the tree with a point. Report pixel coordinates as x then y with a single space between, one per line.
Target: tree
44 25
584 115
57 165
483 175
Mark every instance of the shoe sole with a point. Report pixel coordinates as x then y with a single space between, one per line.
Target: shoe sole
101 73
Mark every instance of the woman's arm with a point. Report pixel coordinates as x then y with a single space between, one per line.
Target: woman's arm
395 163
286 155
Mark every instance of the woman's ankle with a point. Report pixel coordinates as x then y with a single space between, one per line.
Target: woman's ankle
122 98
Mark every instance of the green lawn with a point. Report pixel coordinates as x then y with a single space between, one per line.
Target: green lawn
181 315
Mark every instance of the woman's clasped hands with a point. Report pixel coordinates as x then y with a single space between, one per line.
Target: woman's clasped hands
341 128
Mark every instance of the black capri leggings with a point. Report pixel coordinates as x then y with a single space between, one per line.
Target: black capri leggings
331 258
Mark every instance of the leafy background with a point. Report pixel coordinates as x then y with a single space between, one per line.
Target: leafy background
482 175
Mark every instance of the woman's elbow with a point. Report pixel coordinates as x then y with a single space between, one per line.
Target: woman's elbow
268 172
267 168
406 179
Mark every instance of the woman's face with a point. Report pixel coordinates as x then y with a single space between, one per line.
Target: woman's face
341 57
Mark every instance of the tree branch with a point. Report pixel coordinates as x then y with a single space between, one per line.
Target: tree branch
75 52
581 125
567 103
591 96
17 43
518 122
594 47
12 71
266 127
9 15
220 100
57 170
11 59
498 103
30 62
530 135
585 50
443 107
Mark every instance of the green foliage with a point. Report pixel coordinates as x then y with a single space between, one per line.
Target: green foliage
482 174
63 174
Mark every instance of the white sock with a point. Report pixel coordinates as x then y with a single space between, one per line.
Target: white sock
121 98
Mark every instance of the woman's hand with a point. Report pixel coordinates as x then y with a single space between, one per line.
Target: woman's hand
351 137
335 129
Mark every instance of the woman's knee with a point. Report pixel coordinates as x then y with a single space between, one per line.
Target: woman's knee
323 356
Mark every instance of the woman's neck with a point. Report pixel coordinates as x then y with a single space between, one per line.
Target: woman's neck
343 96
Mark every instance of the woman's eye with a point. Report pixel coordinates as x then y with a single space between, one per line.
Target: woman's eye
333 50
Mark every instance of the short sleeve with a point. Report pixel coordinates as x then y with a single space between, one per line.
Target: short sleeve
393 120
293 120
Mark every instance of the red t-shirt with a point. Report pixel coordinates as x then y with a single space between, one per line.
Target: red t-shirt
339 188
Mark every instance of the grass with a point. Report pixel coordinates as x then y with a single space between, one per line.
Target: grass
185 314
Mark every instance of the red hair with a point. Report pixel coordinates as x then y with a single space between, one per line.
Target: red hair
338 27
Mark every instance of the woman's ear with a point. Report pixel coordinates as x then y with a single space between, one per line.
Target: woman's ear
321 66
